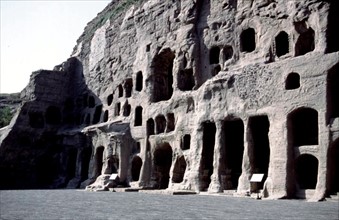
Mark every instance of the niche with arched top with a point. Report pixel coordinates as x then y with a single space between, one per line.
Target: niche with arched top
105 118
160 122
281 44
139 81
161 79
305 43
120 91
247 40
292 81
179 170
150 127
117 109
227 53
128 87
127 109
138 116
109 99
306 171
186 80
135 168
302 127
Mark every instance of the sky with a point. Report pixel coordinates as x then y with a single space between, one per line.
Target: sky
39 34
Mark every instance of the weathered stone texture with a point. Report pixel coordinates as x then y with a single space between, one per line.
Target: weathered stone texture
188 95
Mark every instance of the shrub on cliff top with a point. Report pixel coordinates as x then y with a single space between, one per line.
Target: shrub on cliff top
5 116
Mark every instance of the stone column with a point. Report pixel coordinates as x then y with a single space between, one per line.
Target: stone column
244 183
195 158
145 172
215 185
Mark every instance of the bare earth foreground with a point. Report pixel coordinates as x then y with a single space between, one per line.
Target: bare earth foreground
75 204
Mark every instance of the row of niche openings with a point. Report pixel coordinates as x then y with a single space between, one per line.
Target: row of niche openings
161 124
53 116
126 109
215 59
128 85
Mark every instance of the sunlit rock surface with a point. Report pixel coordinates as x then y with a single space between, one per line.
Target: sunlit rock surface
187 95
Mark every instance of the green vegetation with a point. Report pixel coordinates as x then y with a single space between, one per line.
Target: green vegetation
5 116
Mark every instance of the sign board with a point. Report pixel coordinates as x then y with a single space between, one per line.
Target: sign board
114 176
257 177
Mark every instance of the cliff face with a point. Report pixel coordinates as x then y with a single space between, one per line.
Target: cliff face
187 95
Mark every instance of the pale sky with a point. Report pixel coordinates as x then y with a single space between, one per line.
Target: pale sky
39 35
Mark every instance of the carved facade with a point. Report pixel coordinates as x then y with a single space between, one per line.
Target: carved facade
186 95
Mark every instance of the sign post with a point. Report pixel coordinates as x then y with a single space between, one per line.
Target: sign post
113 177
257 178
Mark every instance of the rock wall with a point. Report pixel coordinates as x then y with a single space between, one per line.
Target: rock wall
188 95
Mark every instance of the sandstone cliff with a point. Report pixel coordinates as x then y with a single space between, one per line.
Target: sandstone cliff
187 95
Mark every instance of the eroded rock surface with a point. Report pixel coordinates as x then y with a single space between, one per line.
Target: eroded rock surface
188 95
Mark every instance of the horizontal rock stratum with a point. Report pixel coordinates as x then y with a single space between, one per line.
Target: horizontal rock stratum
187 95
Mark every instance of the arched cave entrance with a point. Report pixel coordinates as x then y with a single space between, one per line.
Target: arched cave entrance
302 127
234 150
206 163
162 164
136 167
85 160
332 93
179 170
99 160
306 171
71 163
333 168
259 146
